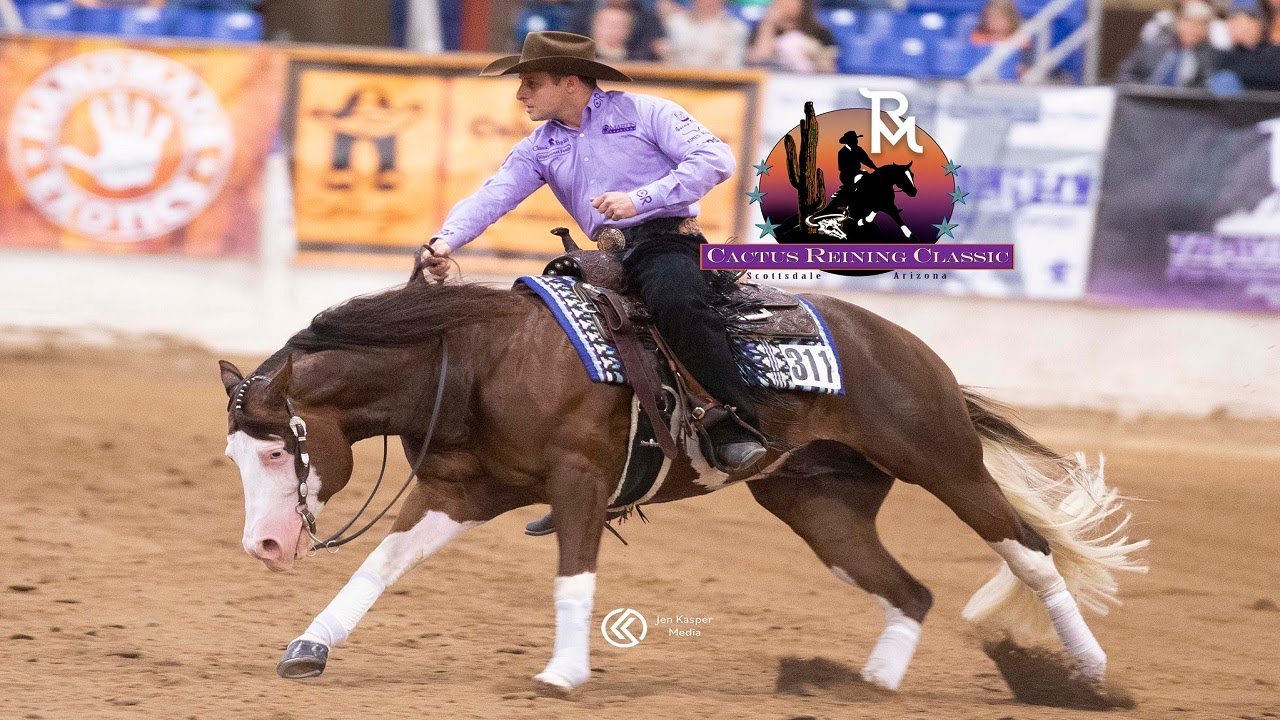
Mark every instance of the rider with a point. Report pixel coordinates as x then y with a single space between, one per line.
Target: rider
619 162
850 159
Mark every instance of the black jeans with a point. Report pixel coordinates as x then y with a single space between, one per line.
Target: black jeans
662 268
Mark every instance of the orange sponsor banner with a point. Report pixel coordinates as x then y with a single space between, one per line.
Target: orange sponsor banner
127 148
382 151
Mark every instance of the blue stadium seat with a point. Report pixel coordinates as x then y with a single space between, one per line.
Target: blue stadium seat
840 21
929 24
48 17
858 54
144 22
945 6
963 25
749 14
954 57
908 56
190 23
235 26
537 20
877 23
98 21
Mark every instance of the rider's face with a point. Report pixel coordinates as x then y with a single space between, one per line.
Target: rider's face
543 98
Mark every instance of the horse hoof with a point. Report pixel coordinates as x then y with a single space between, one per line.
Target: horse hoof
550 684
302 659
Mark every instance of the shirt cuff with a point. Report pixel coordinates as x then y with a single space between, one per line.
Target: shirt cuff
645 199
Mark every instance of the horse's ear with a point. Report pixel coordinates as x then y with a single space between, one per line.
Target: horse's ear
278 387
231 376
909 164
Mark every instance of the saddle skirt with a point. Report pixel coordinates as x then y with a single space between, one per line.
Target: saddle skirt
780 340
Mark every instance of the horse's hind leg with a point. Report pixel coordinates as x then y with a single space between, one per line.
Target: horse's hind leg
982 505
834 511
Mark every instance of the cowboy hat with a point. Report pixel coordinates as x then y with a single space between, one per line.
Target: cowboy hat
555 52
850 137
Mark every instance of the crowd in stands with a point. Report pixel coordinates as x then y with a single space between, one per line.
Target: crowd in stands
1192 44
1198 44
222 20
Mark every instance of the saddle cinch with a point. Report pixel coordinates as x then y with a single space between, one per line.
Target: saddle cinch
655 375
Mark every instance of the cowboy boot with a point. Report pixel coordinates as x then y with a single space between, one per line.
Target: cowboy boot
546 524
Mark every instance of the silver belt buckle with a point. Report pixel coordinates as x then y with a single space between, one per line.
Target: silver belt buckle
611 239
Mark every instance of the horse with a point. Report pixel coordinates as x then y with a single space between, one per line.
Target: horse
515 421
851 208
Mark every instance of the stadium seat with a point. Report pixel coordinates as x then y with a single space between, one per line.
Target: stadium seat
858 54
908 57
934 25
537 20
190 23
954 57
877 23
98 21
840 21
749 14
963 25
144 22
47 17
235 26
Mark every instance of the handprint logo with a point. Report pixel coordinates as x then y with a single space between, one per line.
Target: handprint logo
120 145
131 138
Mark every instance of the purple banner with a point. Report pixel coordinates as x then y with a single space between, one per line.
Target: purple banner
833 256
1190 211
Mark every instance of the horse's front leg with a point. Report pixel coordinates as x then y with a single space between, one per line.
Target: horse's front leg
578 501
432 515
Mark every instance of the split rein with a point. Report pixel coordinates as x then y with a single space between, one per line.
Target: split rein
302 464
302 468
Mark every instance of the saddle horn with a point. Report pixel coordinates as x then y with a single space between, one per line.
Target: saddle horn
569 244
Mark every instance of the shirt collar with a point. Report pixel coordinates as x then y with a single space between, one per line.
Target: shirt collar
596 102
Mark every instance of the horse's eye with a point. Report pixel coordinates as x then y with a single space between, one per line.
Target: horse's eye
276 455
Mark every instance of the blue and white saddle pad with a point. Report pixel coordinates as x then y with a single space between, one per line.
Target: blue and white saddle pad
809 364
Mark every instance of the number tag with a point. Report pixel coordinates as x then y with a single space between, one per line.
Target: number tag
811 366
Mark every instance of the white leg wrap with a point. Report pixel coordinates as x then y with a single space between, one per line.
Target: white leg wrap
570 664
1038 572
894 650
1076 637
392 558
332 626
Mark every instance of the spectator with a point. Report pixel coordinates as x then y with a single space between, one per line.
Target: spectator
1187 61
646 42
997 22
705 35
790 38
1254 63
611 28
1270 20
1158 31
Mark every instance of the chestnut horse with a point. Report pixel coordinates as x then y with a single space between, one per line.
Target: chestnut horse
516 422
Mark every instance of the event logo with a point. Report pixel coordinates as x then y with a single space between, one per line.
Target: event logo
858 191
120 145
367 116
617 631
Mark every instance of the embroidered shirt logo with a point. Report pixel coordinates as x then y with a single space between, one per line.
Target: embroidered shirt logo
625 127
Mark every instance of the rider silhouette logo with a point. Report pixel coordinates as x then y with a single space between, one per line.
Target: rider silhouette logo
858 176
120 145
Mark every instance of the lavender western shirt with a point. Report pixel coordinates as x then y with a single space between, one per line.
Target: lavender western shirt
642 145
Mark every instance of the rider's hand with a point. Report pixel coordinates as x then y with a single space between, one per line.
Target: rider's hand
434 256
614 205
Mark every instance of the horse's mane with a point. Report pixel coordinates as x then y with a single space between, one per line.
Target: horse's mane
402 316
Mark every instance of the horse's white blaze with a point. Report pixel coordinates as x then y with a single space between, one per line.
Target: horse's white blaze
893 651
570 664
271 492
910 178
1038 572
393 557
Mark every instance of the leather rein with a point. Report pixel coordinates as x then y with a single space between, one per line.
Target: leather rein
302 464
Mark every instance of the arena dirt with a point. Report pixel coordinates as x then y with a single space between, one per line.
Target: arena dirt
124 592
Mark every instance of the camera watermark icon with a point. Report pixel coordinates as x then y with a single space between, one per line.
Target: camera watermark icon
617 628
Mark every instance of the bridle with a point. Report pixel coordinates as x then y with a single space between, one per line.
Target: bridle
302 461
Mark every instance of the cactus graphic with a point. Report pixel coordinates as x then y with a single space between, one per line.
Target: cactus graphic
803 170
